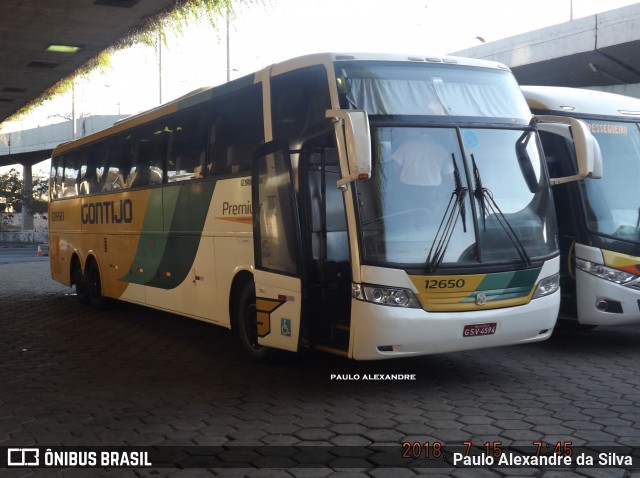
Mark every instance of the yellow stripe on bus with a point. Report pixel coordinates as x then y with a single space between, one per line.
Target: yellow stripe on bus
621 261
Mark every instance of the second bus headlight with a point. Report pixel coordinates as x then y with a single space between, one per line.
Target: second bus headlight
382 295
604 272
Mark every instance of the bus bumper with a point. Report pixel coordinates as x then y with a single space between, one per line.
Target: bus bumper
602 302
382 332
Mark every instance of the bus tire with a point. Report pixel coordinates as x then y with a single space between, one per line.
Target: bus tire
247 326
93 285
78 279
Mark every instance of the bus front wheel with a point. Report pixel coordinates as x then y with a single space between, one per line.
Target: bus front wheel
247 326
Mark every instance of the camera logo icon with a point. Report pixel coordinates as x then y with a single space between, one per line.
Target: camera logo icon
23 457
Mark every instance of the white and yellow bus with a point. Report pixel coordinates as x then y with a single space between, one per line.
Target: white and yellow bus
373 206
598 221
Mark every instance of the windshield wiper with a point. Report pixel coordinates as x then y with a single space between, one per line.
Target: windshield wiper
486 202
455 209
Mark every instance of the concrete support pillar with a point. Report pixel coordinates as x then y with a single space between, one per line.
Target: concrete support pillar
27 213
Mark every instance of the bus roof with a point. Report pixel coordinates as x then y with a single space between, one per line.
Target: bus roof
324 58
578 100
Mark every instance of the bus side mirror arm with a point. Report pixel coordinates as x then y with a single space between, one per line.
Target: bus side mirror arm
588 156
356 144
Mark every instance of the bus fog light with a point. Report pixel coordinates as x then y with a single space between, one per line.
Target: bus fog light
604 272
393 296
547 286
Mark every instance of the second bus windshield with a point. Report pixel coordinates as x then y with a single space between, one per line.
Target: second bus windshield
614 200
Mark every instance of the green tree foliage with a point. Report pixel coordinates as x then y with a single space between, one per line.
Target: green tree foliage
13 196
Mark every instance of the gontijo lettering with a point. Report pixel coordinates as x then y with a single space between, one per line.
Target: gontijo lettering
107 212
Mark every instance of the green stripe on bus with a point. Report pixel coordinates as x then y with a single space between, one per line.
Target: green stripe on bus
171 234
151 244
506 285
190 208
505 280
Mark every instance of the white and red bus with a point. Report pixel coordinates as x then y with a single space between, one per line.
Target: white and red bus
598 221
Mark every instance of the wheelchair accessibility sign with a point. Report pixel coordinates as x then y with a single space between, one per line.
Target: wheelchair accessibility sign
285 327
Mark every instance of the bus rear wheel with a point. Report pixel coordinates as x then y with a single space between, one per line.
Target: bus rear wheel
93 286
81 286
247 326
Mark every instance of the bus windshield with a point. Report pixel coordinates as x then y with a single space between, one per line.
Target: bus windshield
466 195
388 88
613 202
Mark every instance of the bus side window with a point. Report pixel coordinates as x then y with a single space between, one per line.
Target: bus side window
185 166
117 164
216 160
237 131
140 171
71 176
99 155
187 147
57 174
300 99
148 156
88 172
83 180
114 179
239 158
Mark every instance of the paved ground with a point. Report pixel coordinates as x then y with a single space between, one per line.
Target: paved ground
13 253
136 377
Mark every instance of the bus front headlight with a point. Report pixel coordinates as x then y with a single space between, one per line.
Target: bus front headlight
547 286
393 296
604 272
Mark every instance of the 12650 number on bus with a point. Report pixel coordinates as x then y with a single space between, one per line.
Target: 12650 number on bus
444 283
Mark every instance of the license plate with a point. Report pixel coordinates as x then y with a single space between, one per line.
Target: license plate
474 330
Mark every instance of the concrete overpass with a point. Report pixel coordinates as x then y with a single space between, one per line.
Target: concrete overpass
32 146
43 42
599 51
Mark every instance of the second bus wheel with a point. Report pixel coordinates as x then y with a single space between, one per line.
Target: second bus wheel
247 326
93 286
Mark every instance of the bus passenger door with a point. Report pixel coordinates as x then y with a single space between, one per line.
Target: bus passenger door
277 249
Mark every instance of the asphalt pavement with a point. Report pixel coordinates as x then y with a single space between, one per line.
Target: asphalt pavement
11 254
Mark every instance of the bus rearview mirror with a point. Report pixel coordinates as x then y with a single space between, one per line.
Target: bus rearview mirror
587 150
357 139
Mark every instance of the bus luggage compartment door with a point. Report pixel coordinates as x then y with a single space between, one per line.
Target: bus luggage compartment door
278 299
